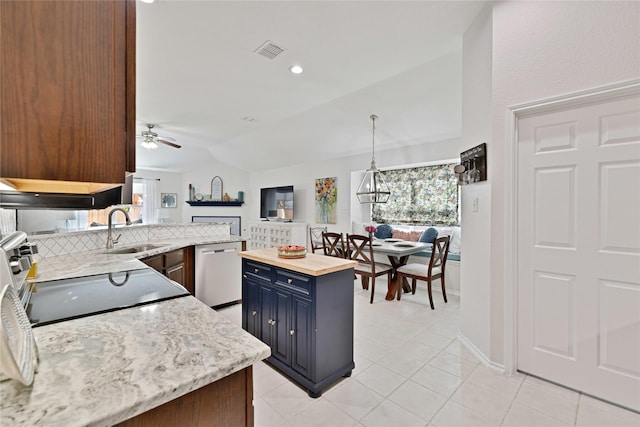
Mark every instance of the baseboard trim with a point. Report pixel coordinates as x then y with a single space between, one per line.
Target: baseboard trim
479 354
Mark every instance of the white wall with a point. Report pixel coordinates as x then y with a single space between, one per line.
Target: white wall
170 182
302 177
233 180
475 277
544 49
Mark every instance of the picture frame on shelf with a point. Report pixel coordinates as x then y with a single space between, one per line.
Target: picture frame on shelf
216 189
168 200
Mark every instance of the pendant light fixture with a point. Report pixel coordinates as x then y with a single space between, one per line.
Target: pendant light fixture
373 188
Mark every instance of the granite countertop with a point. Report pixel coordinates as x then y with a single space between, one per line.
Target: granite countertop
102 261
100 370
311 264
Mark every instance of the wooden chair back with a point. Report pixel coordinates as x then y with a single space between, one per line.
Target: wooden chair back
333 244
360 249
439 253
315 237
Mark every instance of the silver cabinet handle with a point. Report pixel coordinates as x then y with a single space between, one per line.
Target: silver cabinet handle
254 312
256 271
291 332
289 281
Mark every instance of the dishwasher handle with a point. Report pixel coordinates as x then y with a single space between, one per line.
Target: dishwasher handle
218 251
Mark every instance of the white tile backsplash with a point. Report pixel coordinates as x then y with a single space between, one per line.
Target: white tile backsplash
69 243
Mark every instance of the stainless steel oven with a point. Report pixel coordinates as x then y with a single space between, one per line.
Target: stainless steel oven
16 258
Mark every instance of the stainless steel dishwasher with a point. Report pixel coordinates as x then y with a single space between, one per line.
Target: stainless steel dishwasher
219 273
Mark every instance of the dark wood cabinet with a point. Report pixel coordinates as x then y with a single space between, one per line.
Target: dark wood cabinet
176 273
176 265
226 402
306 320
156 262
67 111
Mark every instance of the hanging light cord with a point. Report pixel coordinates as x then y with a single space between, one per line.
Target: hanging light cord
373 118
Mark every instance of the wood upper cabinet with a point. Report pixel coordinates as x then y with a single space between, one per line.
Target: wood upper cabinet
68 90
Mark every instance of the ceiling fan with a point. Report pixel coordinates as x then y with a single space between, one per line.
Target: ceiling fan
150 139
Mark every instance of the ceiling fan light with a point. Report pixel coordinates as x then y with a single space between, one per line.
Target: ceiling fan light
149 144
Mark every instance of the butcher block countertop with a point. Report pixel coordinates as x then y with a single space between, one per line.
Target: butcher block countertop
312 264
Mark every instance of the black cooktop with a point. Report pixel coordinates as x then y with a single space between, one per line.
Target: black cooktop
65 299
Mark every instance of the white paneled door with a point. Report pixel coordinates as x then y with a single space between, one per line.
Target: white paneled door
578 243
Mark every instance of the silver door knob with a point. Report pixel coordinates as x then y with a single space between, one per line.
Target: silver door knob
289 281
291 332
254 312
256 271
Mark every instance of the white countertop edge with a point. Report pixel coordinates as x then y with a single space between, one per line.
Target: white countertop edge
103 369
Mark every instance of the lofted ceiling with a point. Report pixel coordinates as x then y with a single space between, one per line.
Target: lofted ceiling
201 82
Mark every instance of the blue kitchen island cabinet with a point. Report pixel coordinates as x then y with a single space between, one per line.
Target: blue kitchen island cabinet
303 310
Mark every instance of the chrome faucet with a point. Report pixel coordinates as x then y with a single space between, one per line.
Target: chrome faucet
110 240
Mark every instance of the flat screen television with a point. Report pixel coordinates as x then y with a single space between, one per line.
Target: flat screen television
276 203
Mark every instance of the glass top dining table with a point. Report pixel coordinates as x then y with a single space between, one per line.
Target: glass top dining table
398 252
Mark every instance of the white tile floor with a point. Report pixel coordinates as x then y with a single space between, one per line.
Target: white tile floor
411 371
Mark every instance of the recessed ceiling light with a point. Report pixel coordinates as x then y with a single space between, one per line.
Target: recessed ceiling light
295 69
148 1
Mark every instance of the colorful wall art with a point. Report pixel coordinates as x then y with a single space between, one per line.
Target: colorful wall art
326 200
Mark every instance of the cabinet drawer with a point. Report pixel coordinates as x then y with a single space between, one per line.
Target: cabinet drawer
293 281
155 262
260 270
173 258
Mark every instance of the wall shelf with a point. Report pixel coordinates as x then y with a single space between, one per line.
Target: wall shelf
210 203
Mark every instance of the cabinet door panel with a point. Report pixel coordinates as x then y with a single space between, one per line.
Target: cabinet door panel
266 315
64 101
282 344
301 322
176 273
174 258
251 310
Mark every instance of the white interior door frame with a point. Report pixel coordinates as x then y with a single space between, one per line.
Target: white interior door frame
511 196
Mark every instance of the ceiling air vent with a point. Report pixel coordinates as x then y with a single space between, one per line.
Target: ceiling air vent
269 50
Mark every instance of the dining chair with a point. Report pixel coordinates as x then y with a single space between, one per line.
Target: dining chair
360 249
315 237
428 273
333 244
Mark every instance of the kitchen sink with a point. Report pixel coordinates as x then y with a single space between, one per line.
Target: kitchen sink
133 249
